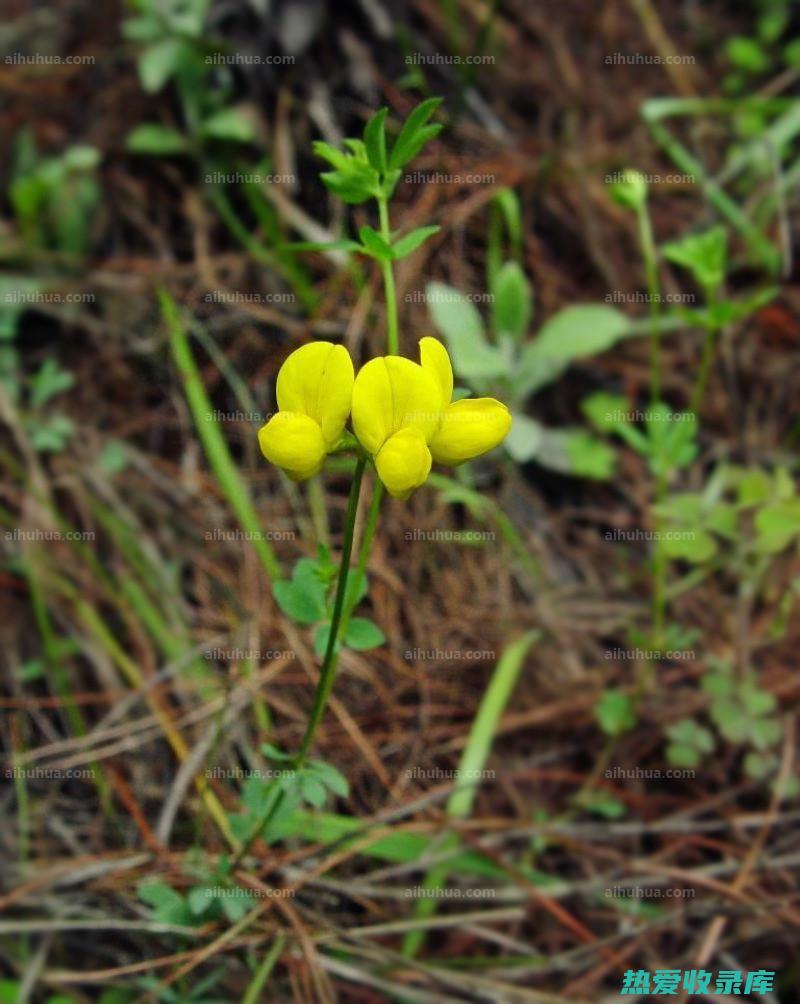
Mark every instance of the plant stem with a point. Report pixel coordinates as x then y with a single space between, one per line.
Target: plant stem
698 393
253 993
328 671
392 338
659 574
653 290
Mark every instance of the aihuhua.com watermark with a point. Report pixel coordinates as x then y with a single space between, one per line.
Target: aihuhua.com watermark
247 59
47 535
654 654
619 177
637 415
648 59
223 296
41 59
230 535
455 536
461 417
267 892
649 773
243 774
247 654
649 892
248 178
447 296
33 296
238 416
440 178
639 534
448 892
619 296
443 59
49 773
453 654
448 774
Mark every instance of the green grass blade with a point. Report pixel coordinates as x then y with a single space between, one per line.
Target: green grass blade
216 448
476 752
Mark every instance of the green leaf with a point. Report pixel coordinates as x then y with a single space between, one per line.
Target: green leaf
159 62
153 138
313 791
414 133
587 457
49 381
375 140
200 899
52 435
362 634
81 157
689 734
273 753
330 777
355 180
114 457
236 906
303 596
524 441
460 324
321 635
573 333
777 526
682 756
606 412
696 549
169 907
671 439
746 54
229 124
357 585
717 684
754 488
513 302
141 29
759 766
410 242
601 804
704 255
374 245
336 158
615 713
730 719
9 991
765 732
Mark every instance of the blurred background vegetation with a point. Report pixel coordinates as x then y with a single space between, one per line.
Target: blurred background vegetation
562 739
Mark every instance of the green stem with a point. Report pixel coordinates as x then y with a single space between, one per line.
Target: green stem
370 527
328 671
654 291
698 393
253 993
392 337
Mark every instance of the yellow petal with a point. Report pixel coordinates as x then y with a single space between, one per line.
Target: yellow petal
294 443
393 393
372 405
403 462
317 380
469 428
435 360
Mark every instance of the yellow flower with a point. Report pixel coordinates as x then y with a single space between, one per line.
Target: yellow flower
404 416
315 389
